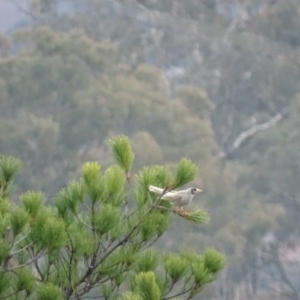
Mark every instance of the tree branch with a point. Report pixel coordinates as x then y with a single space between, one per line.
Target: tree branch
235 21
121 242
285 278
28 263
25 10
35 263
252 131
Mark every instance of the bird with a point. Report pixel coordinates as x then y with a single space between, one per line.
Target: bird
176 198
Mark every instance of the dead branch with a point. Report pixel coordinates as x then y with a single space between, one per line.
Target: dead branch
25 10
252 131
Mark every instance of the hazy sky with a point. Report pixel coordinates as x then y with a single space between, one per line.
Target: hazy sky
10 15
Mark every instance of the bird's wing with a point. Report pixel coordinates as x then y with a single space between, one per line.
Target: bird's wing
172 196
167 196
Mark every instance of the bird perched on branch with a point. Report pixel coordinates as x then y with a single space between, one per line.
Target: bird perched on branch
176 198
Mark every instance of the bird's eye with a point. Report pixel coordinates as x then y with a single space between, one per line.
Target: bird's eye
193 191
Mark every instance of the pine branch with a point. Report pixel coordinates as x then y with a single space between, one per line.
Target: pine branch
28 263
22 249
8 296
197 216
92 268
71 258
35 263
21 239
178 294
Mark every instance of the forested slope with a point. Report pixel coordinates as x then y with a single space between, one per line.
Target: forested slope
181 79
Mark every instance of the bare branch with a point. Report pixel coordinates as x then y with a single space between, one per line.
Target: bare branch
28 263
88 226
25 10
236 21
252 131
22 249
23 238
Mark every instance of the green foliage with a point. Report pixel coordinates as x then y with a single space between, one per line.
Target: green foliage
9 166
48 231
131 296
107 218
80 241
64 90
25 281
4 207
162 223
49 291
53 236
65 200
18 220
185 172
197 216
68 250
91 177
76 190
70 198
4 251
159 176
63 204
114 180
106 290
90 172
213 261
203 268
122 152
5 279
32 202
156 223
176 266
201 274
145 285
147 261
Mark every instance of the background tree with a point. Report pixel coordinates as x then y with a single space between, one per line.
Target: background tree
59 82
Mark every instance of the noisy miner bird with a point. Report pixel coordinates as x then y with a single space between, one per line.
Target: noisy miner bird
176 198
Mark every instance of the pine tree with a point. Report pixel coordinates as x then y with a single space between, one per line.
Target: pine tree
95 240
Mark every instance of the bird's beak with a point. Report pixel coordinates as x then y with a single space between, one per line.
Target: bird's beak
199 191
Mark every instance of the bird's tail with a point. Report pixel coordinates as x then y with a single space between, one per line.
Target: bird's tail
155 189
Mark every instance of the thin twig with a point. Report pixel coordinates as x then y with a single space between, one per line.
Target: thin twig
25 10
36 265
111 250
14 293
20 250
61 257
90 227
28 263
87 207
23 238
178 294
